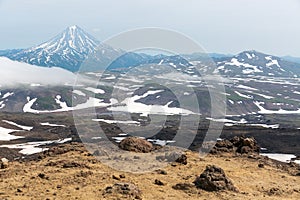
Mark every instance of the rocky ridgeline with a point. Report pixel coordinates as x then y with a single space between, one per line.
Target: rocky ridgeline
241 145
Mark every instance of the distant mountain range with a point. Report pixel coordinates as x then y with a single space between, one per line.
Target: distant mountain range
71 48
292 59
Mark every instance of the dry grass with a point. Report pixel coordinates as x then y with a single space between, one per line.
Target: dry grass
77 175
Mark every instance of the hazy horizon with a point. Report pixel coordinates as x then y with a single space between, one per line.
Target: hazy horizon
227 27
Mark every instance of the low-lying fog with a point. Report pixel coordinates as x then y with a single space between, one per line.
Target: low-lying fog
14 73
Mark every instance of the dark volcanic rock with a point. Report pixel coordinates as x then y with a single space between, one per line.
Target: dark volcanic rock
245 145
182 159
136 144
274 191
43 176
71 165
123 190
160 171
224 145
214 179
158 182
183 186
260 165
3 163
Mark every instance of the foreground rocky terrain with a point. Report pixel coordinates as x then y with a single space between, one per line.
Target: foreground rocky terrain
68 171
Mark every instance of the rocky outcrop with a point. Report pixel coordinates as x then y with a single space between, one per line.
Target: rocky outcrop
245 145
136 144
214 179
242 145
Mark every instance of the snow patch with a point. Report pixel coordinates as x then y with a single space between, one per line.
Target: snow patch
53 125
251 68
280 111
6 136
91 102
161 142
78 92
26 128
8 94
116 121
279 156
30 148
2 105
246 87
95 90
243 95
296 92
273 62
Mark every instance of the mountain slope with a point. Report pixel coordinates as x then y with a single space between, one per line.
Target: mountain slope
253 63
66 50
8 52
291 59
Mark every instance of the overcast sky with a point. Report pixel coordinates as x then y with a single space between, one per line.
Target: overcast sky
224 26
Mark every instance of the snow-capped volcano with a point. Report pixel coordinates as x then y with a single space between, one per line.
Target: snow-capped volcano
72 39
68 50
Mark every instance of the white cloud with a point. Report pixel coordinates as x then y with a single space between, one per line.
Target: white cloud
13 72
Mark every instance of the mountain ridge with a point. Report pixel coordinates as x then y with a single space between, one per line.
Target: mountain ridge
72 47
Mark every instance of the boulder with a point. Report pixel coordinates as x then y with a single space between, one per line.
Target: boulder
136 144
237 144
246 145
214 179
